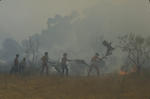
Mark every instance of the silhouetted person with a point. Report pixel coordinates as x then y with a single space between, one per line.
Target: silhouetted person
22 65
45 63
94 64
15 67
64 66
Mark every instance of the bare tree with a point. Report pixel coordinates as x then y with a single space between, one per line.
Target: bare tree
102 46
31 48
136 48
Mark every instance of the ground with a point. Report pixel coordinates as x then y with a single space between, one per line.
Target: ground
57 87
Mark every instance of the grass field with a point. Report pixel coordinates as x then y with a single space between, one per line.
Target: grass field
56 87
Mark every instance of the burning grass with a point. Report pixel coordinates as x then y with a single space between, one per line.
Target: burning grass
55 87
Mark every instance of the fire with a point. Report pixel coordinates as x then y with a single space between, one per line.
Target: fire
123 73
133 70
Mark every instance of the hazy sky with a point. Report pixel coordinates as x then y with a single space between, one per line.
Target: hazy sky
25 17
21 18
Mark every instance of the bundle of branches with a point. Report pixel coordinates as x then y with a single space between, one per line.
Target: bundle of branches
109 47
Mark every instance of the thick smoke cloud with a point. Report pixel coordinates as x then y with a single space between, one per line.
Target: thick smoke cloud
109 19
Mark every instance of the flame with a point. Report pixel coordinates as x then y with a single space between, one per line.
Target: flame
133 70
123 73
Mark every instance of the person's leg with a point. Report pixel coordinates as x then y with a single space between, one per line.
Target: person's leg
15 70
67 70
20 69
42 70
23 68
46 69
97 69
12 70
90 70
63 69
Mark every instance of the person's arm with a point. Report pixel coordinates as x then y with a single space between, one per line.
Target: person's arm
15 62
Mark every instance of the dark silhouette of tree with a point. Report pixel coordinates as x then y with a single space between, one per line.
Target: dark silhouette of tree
31 48
136 48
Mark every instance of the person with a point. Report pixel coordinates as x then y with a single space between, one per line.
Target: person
15 67
22 65
65 70
94 64
45 63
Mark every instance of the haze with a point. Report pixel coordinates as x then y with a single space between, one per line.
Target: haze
22 18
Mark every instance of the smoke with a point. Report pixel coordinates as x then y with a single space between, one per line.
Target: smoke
9 49
3 36
81 34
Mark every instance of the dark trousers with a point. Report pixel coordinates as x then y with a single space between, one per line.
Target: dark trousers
65 70
21 69
14 69
44 67
93 66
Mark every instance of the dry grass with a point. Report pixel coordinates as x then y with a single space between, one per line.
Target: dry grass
55 87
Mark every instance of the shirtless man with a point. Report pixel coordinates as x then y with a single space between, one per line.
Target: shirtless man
64 66
45 63
15 67
94 64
